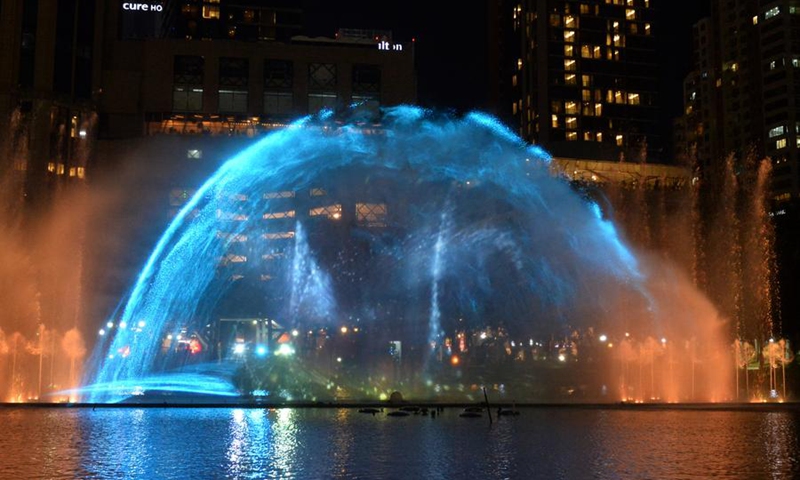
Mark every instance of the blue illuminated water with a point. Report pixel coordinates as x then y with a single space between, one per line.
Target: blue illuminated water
341 443
473 231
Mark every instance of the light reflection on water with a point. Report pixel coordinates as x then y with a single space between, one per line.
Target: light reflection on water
341 443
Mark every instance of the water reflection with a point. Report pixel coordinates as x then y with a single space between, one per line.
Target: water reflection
779 440
322 443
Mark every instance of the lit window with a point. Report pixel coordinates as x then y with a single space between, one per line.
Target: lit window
194 153
333 212
755 19
586 80
60 169
647 29
569 50
599 137
210 12
774 132
571 79
569 22
598 109
72 171
780 143
633 98
572 123
586 95
630 14
772 12
81 172
51 167
620 140
569 65
572 136
570 108
569 36
554 121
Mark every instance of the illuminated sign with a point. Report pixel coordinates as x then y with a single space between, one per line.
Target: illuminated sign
397 47
142 7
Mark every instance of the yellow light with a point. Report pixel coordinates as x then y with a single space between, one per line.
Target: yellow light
454 360
344 329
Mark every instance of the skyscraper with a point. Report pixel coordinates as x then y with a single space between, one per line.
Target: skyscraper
578 78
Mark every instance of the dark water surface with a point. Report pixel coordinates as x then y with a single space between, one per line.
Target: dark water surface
342 443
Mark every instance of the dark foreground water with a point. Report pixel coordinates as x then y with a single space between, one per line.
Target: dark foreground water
342 443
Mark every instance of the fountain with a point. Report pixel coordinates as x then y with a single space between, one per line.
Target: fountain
436 256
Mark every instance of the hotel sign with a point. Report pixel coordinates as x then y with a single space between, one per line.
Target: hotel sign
142 7
138 20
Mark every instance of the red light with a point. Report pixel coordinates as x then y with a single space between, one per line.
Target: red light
195 346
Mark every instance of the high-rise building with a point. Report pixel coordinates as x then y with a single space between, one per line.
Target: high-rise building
46 109
579 78
742 95
187 87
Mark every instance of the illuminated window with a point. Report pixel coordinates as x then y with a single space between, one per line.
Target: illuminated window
570 108
569 65
633 99
774 132
194 153
279 215
588 136
60 169
570 79
51 167
569 50
780 143
620 140
772 12
569 36
586 80
572 136
647 29
72 171
519 64
598 109
755 19
584 8
586 51
619 97
630 14
371 214
599 137
597 52
317 192
233 258
554 121
570 22
586 95
333 212
210 12
572 123
81 172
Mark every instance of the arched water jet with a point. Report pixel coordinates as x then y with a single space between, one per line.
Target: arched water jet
525 256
